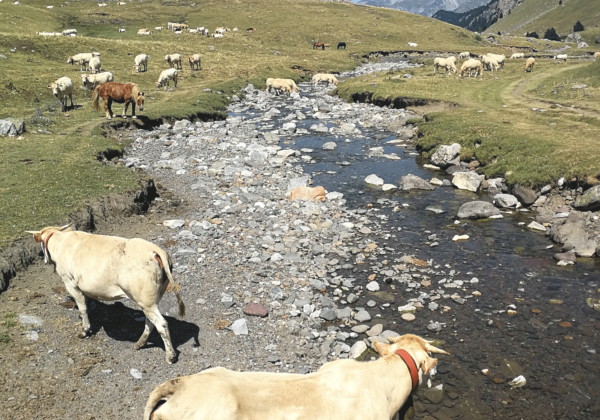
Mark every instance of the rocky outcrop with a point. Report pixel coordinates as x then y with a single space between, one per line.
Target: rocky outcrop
477 210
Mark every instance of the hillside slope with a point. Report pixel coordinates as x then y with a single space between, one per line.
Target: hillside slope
478 19
539 15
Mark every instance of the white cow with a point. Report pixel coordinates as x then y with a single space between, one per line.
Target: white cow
562 57
61 89
165 77
90 81
140 61
82 59
112 268
217 35
193 31
194 61
412 44
95 65
69 31
173 60
516 56
159 28
464 55
121 30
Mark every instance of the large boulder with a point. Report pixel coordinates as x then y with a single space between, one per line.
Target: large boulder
572 233
405 133
477 210
525 195
7 128
446 156
413 182
19 124
506 201
590 200
467 181
181 125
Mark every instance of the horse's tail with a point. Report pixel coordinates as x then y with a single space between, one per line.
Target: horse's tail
95 98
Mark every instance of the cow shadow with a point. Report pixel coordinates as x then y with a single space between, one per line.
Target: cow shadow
119 323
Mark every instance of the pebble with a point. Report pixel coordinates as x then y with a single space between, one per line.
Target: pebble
357 349
32 335
256 309
360 328
457 238
375 330
373 286
135 373
239 327
408 317
362 316
30 319
374 180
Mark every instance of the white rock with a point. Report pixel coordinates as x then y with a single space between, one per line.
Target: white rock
330 145
389 187
408 317
174 224
357 349
506 201
460 238
373 286
536 226
135 373
334 195
32 335
467 181
436 181
240 327
374 180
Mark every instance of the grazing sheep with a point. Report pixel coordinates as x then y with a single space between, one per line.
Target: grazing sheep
95 65
194 61
140 61
596 55
62 88
144 31
561 57
412 44
173 60
193 31
464 55
90 81
165 77
82 59
489 63
446 63
471 65
517 56
529 64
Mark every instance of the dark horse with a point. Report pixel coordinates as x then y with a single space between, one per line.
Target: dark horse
121 93
341 45
319 45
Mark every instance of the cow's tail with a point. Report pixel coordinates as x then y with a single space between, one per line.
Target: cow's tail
96 98
164 261
160 396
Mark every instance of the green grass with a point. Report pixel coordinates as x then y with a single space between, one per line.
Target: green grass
539 15
44 176
7 322
537 148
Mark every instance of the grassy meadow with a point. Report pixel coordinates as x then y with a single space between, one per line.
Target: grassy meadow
495 120
52 169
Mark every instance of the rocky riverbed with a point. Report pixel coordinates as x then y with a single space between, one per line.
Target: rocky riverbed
275 285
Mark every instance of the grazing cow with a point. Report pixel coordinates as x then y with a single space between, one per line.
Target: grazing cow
470 65
596 55
562 57
82 59
327 45
193 31
121 93
165 77
90 81
102 4
279 85
144 32
159 28
250 30
112 268
217 35
173 60
194 61
342 389
69 32
170 25
121 30
516 56
95 65
489 63
341 45
529 64
464 55
220 30
178 26
61 89
322 77
140 61
49 7
498 57
319 45
412 44
445 63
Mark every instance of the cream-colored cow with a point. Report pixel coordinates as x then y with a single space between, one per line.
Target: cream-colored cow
323 77
140 61
173 60
278 85
340 390
95 65
166 76
82 59
90 81
112 268
62 89
195 62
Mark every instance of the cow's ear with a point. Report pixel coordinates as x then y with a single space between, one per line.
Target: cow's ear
381 348
64 227
428 364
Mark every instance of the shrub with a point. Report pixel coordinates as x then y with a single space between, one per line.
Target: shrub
578 27
477 38
532 35
551 35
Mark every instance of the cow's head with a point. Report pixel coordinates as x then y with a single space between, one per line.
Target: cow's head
42 236
70 60
84 79
54 86
417 347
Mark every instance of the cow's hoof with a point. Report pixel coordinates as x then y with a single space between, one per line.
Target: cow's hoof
134 117
109 118
124 117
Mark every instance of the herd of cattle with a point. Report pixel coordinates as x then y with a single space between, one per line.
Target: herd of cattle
489 62
178 28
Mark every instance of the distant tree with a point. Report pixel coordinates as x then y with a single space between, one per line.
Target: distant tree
578 27
551 35
532 35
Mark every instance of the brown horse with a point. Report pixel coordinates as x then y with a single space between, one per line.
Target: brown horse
319 45
121 93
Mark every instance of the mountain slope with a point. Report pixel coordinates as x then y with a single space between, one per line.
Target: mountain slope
478 19
418 7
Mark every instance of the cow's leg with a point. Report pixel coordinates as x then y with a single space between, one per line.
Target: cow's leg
71 98
147 331
81 301
175 81
163 329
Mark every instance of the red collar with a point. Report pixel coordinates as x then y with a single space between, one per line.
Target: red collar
412 367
